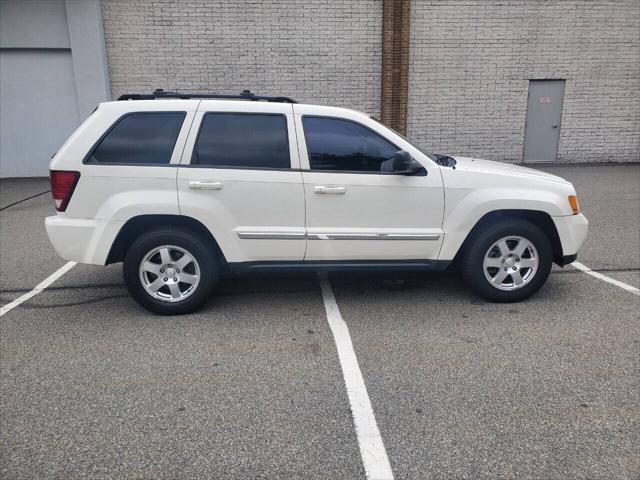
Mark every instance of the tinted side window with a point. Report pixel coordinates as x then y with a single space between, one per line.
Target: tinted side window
140 138
336 144
243 140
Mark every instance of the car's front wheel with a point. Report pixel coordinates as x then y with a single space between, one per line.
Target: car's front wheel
170 272
507 262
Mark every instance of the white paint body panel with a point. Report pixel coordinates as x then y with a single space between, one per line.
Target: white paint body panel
268 201
82 240
371 203
108 195
276 215
572 230
477 187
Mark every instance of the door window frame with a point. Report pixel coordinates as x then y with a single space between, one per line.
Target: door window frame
253 108
239 167
300 110
331 117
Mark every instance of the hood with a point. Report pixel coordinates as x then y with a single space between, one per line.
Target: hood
500 168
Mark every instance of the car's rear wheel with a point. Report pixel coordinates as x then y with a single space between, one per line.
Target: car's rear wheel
507 262
170 272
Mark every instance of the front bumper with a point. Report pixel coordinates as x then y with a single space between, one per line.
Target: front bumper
80 239
572 230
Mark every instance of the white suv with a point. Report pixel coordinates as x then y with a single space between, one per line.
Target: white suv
182 188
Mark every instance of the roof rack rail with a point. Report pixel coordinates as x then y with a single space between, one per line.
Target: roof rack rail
244 95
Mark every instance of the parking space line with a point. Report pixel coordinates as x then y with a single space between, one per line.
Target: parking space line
39 288
600 276
374 456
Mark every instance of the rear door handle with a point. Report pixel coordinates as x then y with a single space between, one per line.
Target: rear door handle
322 189
205 185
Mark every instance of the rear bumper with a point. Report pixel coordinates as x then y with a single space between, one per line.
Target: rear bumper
81 240
572 231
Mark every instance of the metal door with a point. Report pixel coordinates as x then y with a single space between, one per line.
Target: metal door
364 215
542 129
255 213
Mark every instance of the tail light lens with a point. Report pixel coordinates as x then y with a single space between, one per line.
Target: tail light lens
62 186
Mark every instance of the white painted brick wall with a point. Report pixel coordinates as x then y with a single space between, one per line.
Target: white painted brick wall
471 62
469 69
317 51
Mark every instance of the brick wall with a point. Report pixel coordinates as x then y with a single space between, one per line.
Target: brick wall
471 61
318 51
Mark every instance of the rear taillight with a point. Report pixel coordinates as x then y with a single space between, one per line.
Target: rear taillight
62 186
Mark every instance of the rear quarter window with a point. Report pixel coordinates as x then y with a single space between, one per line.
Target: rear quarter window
143 138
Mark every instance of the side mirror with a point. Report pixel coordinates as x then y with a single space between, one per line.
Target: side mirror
404 164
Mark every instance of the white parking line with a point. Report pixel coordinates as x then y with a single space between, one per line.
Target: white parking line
39 288
600 276
374 456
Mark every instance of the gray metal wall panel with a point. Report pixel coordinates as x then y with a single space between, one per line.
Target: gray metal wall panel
54 73
33 24
39 109
89 55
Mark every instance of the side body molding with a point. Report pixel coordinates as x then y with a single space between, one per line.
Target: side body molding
253 235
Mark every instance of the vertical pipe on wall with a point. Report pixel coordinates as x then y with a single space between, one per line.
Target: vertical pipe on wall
395 63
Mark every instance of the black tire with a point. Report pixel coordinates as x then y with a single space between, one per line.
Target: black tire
471 266
192 243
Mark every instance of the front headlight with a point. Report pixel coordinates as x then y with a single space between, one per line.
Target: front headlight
575 206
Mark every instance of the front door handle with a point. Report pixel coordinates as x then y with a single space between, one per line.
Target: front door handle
205 185
322 189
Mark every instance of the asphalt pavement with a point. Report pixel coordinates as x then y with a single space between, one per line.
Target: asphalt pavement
93 386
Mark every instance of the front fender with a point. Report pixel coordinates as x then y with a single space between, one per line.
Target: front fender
465 207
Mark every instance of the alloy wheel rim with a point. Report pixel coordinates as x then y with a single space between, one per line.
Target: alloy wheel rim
511 263
169 273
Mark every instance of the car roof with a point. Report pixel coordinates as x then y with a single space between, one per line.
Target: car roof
170 104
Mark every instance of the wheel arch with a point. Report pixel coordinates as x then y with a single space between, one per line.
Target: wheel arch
139 224
539 218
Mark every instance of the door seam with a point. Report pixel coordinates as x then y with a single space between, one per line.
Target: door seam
304 187
186 141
